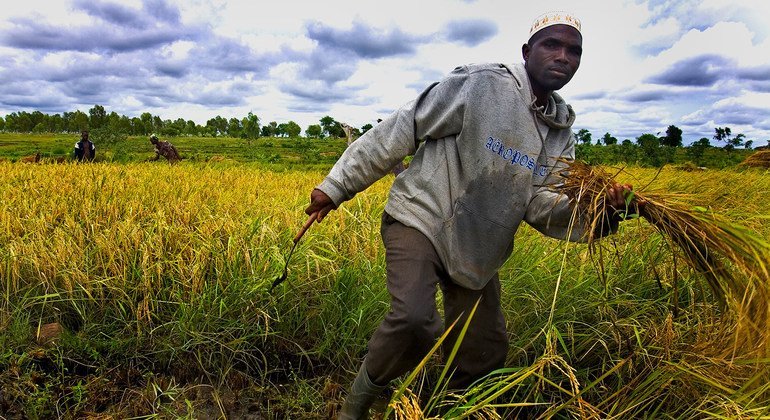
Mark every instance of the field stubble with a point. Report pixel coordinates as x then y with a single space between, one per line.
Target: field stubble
159 276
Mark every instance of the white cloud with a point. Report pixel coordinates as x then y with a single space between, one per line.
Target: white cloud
243 56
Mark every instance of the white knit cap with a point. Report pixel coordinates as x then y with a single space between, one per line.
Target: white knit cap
554 18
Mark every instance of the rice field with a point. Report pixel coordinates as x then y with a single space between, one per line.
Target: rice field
141 291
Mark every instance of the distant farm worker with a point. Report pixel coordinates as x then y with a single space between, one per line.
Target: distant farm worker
84 149
487 142
165 149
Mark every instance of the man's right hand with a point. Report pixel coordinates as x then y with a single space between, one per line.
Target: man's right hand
320 203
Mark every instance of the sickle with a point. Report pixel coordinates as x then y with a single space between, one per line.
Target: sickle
301 232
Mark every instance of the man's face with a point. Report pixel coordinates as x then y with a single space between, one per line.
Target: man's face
552 57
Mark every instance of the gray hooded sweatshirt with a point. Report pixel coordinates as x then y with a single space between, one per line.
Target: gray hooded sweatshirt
479 167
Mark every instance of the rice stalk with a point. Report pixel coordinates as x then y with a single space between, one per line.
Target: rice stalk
404 405
760 159
733 261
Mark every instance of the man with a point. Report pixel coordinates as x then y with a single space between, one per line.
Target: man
165 149
84 149
486 142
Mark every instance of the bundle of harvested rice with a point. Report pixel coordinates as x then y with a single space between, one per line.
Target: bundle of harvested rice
759 159
734 261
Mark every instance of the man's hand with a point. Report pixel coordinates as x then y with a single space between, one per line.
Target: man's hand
622 202
320 203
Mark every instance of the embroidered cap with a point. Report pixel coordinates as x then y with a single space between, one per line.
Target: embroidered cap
554 18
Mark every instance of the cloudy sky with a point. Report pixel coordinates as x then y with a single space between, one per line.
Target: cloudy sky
647 64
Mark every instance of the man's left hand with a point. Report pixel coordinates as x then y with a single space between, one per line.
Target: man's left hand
622 202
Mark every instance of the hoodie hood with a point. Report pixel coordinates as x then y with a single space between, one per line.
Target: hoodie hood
557 114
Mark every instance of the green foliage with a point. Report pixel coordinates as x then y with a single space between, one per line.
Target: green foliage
97 117
251 126
673 137
583 136
314 131
292 129
724 134
608 139
332 128
627 153
143 125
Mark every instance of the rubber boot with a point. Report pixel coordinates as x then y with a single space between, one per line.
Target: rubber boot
362 394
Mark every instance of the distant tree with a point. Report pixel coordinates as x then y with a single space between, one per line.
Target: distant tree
97 117
280 131
583 136
738 140
365 128
251 126
748 144
24 122
332 128
137 127
37 117
270 130
314 131
112 121
327 125
337 131
608 139
78 122
673 137
146 118
10 121
157 123
119 123
725 135
697 149
628 151
55 124
648 141
2 124
293 129
216 126
234 127
190 128
67 124
211 127
177 126
650 145
722 133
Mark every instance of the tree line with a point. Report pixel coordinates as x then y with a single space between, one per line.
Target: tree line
653 150
673 138
647 149
98 118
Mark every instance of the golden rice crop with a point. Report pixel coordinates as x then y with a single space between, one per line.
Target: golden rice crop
93 227
733 260
760 159
184 255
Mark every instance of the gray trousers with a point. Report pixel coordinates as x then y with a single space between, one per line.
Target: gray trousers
413 324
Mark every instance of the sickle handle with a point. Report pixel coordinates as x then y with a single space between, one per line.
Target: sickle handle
306 226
